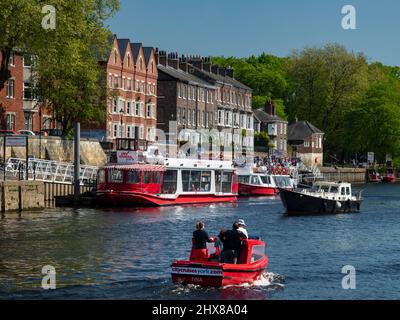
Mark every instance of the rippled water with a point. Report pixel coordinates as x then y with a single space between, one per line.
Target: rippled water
126 254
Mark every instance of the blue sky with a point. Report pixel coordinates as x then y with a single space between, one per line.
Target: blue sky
243 28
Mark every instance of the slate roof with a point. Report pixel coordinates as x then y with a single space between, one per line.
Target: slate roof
264 117
224 79
135 50
300 130
183 76
147 53
123 45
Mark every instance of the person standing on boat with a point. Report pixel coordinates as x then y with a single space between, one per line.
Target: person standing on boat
200 239
232 245
242 227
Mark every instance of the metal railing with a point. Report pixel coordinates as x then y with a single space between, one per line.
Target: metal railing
49 171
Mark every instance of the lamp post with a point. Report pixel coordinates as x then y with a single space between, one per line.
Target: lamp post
122 117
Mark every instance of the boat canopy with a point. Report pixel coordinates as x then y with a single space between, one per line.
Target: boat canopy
136 167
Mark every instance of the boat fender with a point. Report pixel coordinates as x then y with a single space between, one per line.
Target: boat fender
338 205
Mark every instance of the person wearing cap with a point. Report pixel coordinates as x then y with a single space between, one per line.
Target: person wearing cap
242 227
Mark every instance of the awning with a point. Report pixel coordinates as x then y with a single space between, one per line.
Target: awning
136 167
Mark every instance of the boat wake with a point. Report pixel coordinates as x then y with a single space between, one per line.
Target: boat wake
267 279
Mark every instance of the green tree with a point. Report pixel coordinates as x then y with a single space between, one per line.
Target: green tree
326 83
67 71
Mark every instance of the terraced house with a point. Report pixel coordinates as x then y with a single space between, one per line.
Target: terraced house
131 74
19 105
195 94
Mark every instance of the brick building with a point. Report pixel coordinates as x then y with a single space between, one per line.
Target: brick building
131 74
306 141
197 95
19 106
267 121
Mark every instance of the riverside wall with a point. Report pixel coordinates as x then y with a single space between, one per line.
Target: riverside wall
58 149
351 175
21 195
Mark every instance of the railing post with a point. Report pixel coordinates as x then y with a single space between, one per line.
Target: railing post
77 171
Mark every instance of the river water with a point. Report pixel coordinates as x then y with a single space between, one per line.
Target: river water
126 254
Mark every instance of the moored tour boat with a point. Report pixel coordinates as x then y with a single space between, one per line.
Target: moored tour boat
155 181
389 176
210 273
256 182
322 197
374 176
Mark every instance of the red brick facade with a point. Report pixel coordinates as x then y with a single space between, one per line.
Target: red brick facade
18 110
131 74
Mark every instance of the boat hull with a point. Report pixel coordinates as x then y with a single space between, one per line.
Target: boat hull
297 203
214 274
251 190
110 198
389 179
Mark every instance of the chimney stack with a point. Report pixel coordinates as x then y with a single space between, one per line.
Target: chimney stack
196 61
173 60
207 64
214 69
270 108
229 72
163 58
183 64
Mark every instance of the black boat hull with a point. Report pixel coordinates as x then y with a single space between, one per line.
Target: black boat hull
297 203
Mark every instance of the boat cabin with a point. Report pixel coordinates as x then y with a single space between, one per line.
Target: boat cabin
340 191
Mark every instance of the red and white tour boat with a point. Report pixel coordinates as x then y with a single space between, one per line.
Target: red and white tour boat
389 176
148 179
204 268
254 181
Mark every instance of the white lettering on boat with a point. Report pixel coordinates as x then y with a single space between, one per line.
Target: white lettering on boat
197 271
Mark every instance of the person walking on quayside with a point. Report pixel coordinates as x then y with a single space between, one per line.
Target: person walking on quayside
200 239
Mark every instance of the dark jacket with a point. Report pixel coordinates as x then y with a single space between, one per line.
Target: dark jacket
233 240
200 239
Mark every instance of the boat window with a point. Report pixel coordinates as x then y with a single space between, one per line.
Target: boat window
101 176
155 177
218 180
348 190
186 180
244 179
255 180
205 181
133 177
227 182
169 182
334 189
146 177
115 176
195 179
265 179
343 191
257 253
325 188
282 182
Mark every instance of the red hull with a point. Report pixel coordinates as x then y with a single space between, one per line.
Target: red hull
214 274
389 179
146 200
251 190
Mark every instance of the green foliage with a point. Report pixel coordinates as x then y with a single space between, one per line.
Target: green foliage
261 139
67 72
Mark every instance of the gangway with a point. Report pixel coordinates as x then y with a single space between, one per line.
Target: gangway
49 171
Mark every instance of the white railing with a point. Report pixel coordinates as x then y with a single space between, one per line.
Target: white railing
49 171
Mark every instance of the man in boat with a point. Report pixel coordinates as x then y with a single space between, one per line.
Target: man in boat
200 239
232 245
242 227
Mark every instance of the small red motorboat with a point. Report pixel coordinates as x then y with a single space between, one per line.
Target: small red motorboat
389 176
374 176
203 267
